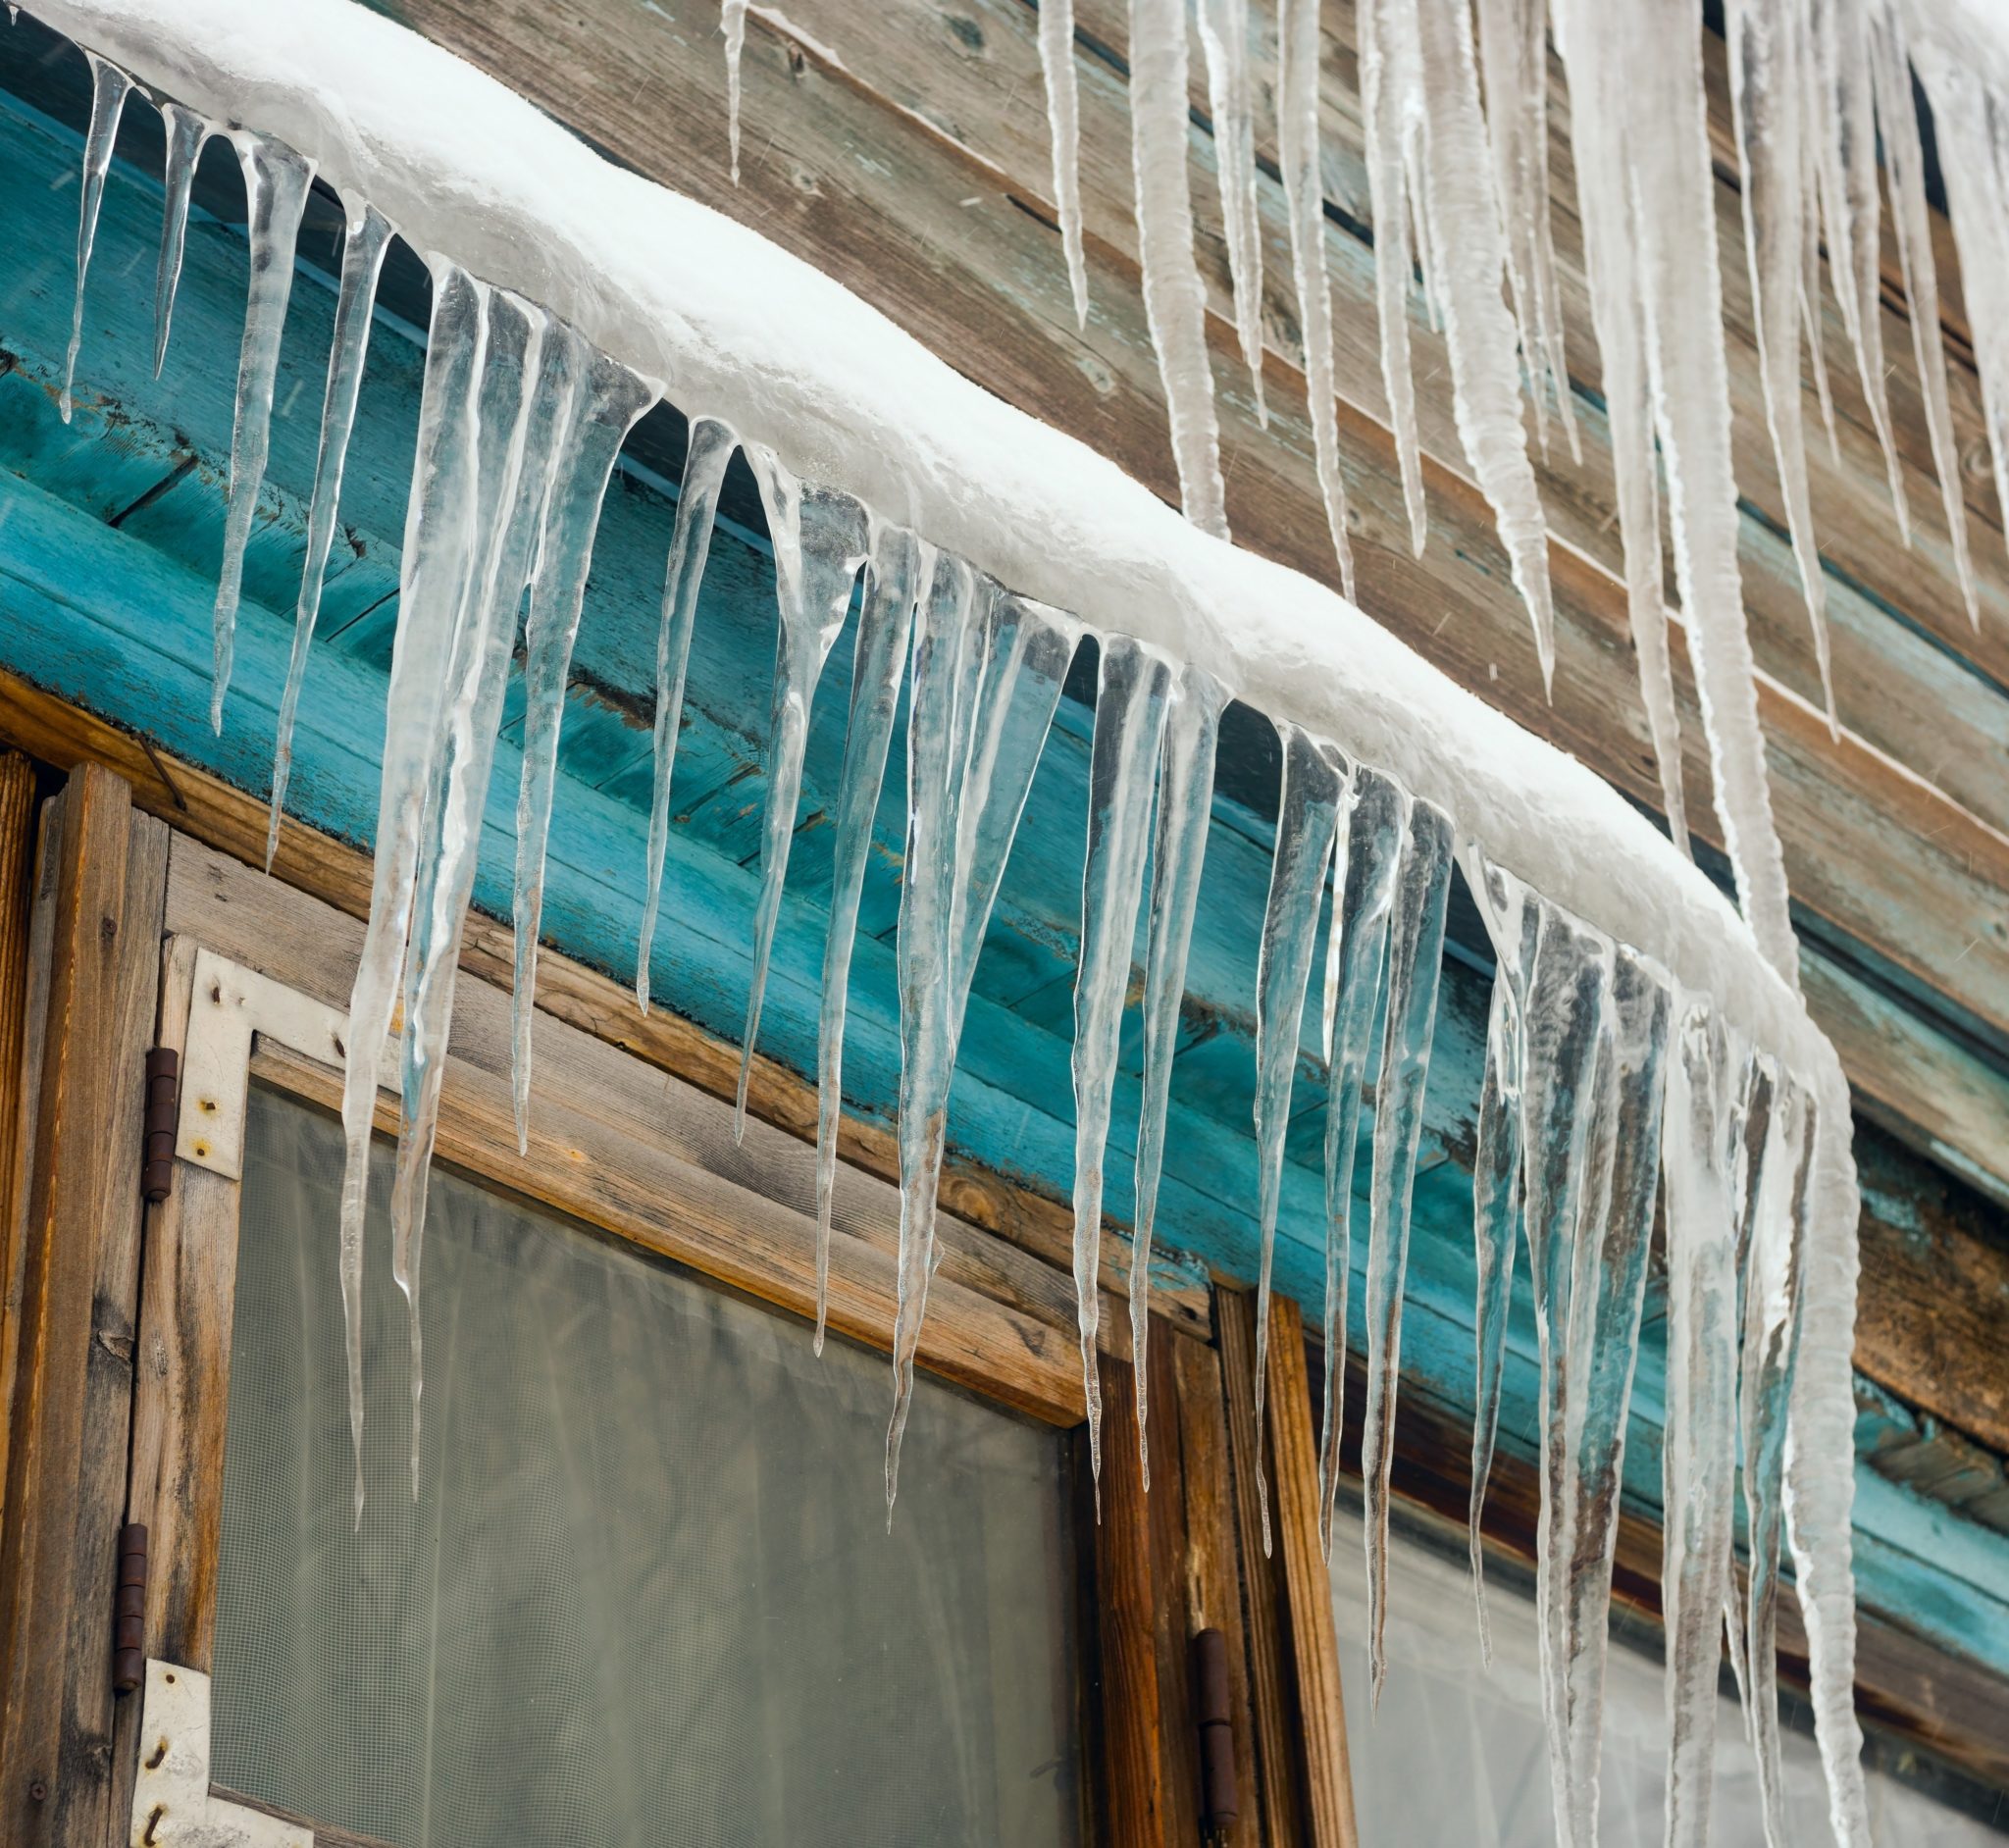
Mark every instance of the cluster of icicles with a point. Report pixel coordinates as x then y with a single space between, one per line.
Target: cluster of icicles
1455 102
1605 1086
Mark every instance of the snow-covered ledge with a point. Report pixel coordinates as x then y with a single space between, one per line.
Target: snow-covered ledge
731 326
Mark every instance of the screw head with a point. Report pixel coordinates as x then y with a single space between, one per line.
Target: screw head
37 1791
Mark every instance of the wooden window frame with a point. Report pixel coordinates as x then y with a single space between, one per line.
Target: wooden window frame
246 978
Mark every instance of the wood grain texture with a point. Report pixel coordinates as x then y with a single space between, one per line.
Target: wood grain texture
1879 851
1272 1684
22 1000
67 1456
1314 1643
1134 1760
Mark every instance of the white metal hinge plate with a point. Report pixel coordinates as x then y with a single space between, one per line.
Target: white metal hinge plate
172 1803
226 1005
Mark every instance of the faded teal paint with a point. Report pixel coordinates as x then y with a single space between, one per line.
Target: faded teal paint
116 618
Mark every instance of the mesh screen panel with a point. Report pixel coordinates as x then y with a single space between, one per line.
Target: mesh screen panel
645 1594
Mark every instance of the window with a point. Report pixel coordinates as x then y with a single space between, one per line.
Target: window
646 1592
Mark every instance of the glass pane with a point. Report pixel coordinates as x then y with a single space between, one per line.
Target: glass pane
646 1594
1457 1752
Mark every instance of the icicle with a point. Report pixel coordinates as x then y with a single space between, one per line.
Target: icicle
1513 58
276 182
987 673
1297 137
1772 1333
1467 254
185 133
365 242
1416 948
1314 780
1185 806
1512 921
1594 1382
1965 119
731 22
435 566
1820 1458
520 401
1767 42
1618 314
1224 39
901 567
1391 91
1063 126
1366 856
109 88
1844 120
605 404
1699 1447
1131 695
1639 76
820 542
1175 303
1904 168
710 447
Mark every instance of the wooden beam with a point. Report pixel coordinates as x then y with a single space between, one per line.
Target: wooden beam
18 1006
74 1389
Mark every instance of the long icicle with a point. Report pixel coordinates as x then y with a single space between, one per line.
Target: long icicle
1366 859
185 132
1224 39
1133 689
1468 253
1391 88
1613 1236
605 404
901 567
731 22
1175 302
710 449
1063 127
1904 171
1513 60
1699 1447
364 244
987 674
438 516
1415 950
1766 43
515 412
820 542
109 89
1772 1334
276 183
1185 806
1306 825
1513 920
1297 141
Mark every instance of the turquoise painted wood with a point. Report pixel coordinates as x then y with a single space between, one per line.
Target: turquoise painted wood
109 531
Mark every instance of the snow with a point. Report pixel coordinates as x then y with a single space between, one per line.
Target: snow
742 330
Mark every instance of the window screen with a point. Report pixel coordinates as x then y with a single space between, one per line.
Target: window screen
645 1594
1456 1753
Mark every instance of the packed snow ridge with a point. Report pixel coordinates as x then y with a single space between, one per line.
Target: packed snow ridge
1642 1038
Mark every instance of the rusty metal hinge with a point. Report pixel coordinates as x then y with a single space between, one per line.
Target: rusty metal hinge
129 1614
163 1112
1213 1710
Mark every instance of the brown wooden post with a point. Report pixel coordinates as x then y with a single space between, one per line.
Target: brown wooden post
1294 1649
66 1466
17 903
1132 1769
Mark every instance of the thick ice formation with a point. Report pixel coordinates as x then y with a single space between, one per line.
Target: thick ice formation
1224 37
1174 301
1297 141
549 324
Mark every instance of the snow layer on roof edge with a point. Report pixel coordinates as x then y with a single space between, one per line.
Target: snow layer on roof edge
736 327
